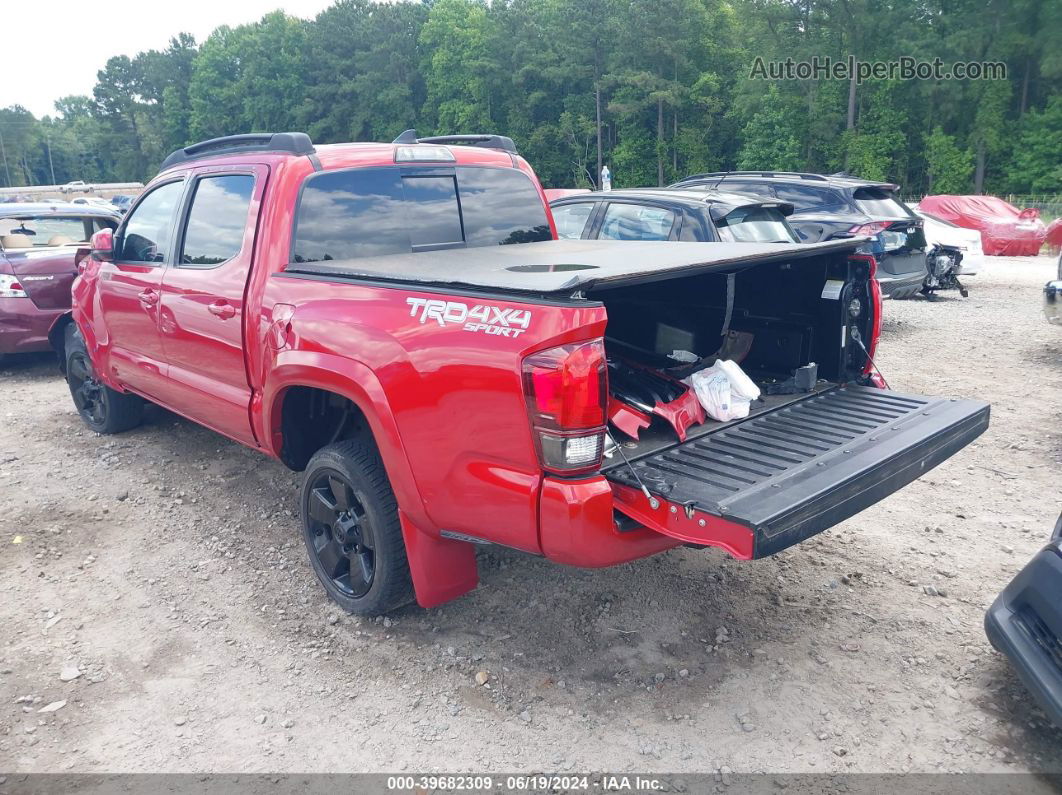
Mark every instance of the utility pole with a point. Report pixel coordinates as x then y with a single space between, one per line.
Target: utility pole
3 152
48 145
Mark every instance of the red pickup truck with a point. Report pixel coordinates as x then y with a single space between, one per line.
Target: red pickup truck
399 322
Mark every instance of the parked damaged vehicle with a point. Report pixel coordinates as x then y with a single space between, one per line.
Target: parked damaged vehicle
38 245
696 215
837 207
953 252
1025 624
398 322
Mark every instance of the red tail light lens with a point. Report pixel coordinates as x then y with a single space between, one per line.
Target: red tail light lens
875 303
566 389
868 230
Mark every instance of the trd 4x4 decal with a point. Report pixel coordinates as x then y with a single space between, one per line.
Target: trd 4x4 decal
487 318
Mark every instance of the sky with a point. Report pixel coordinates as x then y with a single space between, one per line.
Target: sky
53 48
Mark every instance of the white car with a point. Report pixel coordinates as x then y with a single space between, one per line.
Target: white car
77 186
945 233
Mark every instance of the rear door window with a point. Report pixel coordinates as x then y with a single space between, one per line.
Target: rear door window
217 220
376 211
571 219
636 222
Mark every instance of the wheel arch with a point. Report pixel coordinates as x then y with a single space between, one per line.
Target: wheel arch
442 569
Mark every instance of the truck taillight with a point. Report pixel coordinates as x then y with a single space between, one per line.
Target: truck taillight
874 331
566 389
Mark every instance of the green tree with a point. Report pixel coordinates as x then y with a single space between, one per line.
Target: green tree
770 137
1037 164
948 168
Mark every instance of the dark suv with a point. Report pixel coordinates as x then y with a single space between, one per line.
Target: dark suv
830 207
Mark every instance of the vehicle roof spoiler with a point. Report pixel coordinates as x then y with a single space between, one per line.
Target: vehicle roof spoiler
486 140
295 143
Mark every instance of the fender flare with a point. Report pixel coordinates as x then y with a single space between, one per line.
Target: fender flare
442 569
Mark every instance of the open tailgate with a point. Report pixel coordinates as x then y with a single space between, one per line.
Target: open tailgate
759 485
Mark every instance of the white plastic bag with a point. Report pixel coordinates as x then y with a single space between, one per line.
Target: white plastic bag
724 390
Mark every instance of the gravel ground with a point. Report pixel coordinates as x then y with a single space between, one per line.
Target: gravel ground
154 588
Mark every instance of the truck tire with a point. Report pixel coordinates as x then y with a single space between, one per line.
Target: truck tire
103 409
352 532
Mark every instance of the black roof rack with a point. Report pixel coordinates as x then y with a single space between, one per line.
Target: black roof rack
720 174
488 141
296 143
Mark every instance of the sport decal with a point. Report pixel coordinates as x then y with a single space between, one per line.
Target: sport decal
486 318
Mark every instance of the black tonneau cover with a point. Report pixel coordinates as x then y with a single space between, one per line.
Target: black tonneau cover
564 266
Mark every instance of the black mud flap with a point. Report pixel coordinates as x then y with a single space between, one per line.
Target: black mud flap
781 476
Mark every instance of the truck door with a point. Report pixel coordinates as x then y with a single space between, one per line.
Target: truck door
130 289
202 306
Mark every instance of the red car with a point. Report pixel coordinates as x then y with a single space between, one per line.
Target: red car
1005 230
398 322
38 243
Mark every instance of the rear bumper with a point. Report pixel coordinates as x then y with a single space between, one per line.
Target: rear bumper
23 327
1025 624
901 285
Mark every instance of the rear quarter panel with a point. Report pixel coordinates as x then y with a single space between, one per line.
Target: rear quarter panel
450 383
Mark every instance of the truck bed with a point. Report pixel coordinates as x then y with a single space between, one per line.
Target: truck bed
564 266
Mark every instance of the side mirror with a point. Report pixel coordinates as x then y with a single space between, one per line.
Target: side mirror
103 246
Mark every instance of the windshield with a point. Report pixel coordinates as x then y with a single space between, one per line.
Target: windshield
49 230
755 225
880 203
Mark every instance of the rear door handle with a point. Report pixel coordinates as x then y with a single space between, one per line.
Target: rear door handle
222 309
148 297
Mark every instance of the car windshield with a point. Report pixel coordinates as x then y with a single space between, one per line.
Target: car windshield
49 230
880 203
755 225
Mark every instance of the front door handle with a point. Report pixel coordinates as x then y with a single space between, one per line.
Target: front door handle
222 309
148 297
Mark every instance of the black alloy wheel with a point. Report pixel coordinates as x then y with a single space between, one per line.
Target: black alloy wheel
88 394
343 540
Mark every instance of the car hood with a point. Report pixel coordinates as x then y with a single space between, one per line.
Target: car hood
45 274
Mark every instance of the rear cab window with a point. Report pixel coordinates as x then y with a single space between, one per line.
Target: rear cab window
365 212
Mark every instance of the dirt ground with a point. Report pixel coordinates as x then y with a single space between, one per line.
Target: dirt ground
163 571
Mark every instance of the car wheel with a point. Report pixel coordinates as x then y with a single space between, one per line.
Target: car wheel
352 532
103 409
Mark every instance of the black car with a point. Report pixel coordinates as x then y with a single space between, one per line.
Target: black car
1025 623
829 207
696 215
